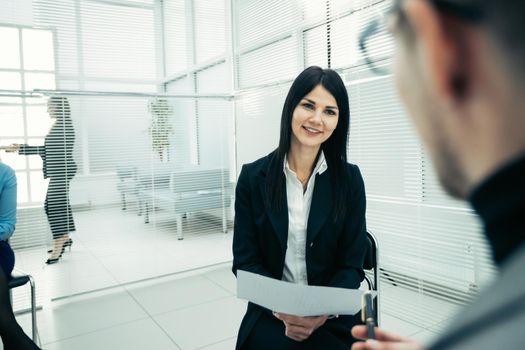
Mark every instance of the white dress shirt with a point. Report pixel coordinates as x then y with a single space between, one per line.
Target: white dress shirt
298 212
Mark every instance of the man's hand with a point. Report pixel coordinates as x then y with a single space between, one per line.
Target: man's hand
300 328
384 341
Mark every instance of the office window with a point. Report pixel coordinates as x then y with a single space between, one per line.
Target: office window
127 44
62 16
39 51
103 42
9 40
259 21
315 47
272 63
177 36
210 29
24 120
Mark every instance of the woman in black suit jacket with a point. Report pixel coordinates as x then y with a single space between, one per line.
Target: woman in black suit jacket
300 216
60 168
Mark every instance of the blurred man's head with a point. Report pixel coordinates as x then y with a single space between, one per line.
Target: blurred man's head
460 71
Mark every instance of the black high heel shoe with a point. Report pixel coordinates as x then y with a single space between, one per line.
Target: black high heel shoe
67 243
64 245
61 251
53 261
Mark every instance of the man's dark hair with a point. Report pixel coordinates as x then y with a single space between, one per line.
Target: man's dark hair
504 21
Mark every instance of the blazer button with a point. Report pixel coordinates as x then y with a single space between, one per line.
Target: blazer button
311 244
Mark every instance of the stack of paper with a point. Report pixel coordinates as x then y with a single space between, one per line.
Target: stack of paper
297 299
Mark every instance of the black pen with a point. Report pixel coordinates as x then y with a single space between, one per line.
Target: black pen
367 314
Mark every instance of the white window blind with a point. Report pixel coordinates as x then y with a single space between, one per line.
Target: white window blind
315 47
103 41
177 36
271 63
266 43
118 49
210 29
259 21
16 12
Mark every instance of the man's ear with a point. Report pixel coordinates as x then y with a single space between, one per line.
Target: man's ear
438 39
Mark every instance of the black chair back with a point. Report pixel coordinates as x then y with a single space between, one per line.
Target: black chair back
371 263
370 257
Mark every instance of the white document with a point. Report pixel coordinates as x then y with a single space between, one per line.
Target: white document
297 299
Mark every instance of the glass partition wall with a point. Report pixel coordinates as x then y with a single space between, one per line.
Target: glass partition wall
151 196
148 84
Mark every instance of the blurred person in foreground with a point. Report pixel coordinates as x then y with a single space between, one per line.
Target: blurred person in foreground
459 70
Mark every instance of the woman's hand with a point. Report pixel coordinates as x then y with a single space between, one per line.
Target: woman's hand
14 147
300 328
384 341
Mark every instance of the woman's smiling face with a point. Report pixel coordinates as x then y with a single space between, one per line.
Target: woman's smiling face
314 118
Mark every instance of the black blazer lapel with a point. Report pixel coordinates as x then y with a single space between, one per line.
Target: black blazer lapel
321 206
278 219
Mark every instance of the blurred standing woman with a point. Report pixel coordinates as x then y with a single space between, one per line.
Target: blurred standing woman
60 168
13 337
300 216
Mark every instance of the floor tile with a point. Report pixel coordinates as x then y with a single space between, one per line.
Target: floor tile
198 308
205 324
139 335
96 311
127 268
72 284
177 294
117 246
223 345
225 278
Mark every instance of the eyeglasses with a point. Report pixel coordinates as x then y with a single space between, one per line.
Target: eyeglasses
373 47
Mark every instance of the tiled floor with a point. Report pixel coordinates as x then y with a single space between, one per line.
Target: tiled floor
192 310
113 247
186 299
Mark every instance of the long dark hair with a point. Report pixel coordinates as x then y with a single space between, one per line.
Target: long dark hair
334 148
